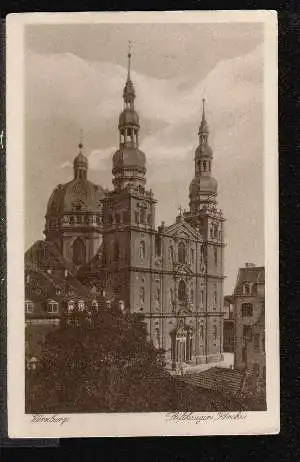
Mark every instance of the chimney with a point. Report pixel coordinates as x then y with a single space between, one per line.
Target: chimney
249 265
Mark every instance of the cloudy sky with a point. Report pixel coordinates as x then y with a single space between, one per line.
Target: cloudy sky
74 80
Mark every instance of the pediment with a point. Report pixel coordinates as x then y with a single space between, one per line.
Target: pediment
182 230
183 268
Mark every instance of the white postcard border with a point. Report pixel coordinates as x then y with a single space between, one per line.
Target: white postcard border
21 425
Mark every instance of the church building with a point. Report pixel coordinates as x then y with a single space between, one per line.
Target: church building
172 275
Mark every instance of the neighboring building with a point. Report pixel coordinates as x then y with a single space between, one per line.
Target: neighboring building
52 295
172 275
228 345
249 311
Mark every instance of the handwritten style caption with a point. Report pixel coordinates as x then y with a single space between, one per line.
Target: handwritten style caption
195 418
50 419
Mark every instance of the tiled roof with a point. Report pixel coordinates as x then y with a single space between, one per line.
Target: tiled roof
255 274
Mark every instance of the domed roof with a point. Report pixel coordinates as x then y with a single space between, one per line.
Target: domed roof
128 117
203 184
76 195
204 150
129 157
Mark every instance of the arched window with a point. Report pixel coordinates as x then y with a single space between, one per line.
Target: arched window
81 305
204 166
142 250
79 252
181 291
201 333
29 306
142 216
71 306
201 296
215 332
171 297
216 256
157 246
192 293
142 295
181 253
171 253
52 306
95 305
116 250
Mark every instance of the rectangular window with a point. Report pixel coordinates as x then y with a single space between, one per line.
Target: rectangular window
52 307
201 297
247 310
215 297
256 341
118 218
247 333
136 215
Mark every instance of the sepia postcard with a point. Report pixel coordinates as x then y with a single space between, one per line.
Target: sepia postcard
142 232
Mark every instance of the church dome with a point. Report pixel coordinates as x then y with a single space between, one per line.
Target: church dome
129 157
204 150
76 195
128 117
203 185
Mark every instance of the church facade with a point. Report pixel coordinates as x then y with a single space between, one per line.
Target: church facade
172 275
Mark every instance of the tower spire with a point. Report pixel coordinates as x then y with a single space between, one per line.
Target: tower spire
80 161
129 60
203 129
203 109
80 145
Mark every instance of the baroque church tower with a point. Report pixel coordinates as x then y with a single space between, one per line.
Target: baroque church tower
128 210
172 275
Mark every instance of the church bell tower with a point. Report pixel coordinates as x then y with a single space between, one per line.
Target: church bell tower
128 210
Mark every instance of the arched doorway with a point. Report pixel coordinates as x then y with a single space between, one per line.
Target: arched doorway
182 344
79 252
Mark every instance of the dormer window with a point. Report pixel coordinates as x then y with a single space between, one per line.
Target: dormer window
95 305
71 306
246 288
29 306
52 306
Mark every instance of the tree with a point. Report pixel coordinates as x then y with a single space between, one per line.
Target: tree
101 362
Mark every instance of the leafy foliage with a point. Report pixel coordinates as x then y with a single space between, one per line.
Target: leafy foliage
104 363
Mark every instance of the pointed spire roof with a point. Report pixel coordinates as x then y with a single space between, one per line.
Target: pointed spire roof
129 91
203 129
80 161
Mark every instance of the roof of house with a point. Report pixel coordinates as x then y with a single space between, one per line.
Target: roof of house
251 274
